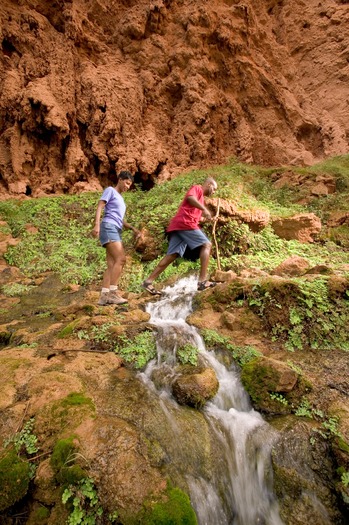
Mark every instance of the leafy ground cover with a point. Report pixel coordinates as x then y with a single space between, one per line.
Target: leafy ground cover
55 232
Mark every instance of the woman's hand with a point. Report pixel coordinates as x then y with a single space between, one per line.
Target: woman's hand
95 231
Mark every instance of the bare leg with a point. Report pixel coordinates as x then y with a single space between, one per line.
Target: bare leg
166 261
204 260
115 262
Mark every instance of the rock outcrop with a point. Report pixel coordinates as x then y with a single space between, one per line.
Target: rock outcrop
89 88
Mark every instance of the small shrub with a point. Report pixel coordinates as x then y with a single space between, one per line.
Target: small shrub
25 439
138 351
187 354
83 503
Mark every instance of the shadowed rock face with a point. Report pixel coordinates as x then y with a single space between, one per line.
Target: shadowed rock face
92 87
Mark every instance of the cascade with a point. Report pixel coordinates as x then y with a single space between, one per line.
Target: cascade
238 489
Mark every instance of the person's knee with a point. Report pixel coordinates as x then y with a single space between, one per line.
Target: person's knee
168 259
206 248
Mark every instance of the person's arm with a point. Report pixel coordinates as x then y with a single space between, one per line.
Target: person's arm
128 226
196 204
100 209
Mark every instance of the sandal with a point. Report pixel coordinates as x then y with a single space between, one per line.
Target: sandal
150 288
205 285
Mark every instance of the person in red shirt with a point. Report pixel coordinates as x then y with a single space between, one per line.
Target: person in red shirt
184 232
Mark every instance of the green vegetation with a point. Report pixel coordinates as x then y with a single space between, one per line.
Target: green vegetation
278 397
138 351
25 439
77 399
64 415
63 462
97 334
303 313
83 503
63 242
328 428
15 289
16 470
173 509
15 475
345 479
242 354
188 354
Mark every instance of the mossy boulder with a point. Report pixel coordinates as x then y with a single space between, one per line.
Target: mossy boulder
262 377
14 479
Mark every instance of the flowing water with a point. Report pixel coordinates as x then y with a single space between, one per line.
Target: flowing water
238 489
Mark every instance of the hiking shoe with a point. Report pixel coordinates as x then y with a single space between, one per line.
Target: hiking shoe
114 298
107 298
103 299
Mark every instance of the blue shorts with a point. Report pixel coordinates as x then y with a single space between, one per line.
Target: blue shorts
181 239
109 232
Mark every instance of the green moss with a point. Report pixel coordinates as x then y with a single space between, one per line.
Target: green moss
258 380
63 462
14 479
64 415
69 329
173 509
89 309
41 515
77 399
342 445
62 453
71 475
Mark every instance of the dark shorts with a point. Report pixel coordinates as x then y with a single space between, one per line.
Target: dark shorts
109 232
179 240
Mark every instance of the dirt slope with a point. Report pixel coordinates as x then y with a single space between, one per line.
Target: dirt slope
93 86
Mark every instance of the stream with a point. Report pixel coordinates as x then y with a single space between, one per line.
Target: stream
238 488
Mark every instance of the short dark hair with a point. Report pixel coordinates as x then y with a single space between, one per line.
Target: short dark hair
123 175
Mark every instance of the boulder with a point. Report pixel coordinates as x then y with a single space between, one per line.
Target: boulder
293 266
302 227
195 389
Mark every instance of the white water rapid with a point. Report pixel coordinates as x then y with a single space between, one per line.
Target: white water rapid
238 491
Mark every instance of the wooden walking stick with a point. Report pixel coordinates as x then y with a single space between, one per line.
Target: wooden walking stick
214 235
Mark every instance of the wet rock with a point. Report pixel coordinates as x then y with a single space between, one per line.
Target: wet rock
264 378
302 478
195 389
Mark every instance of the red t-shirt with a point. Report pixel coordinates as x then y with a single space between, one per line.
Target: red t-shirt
187 216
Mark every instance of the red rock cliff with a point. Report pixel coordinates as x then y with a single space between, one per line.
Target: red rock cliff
93 86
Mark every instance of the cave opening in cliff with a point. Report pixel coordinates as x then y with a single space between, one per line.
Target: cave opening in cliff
144 181
8 48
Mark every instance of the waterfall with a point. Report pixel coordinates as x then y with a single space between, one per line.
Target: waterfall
239 491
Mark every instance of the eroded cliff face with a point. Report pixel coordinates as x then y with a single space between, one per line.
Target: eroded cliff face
90 87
